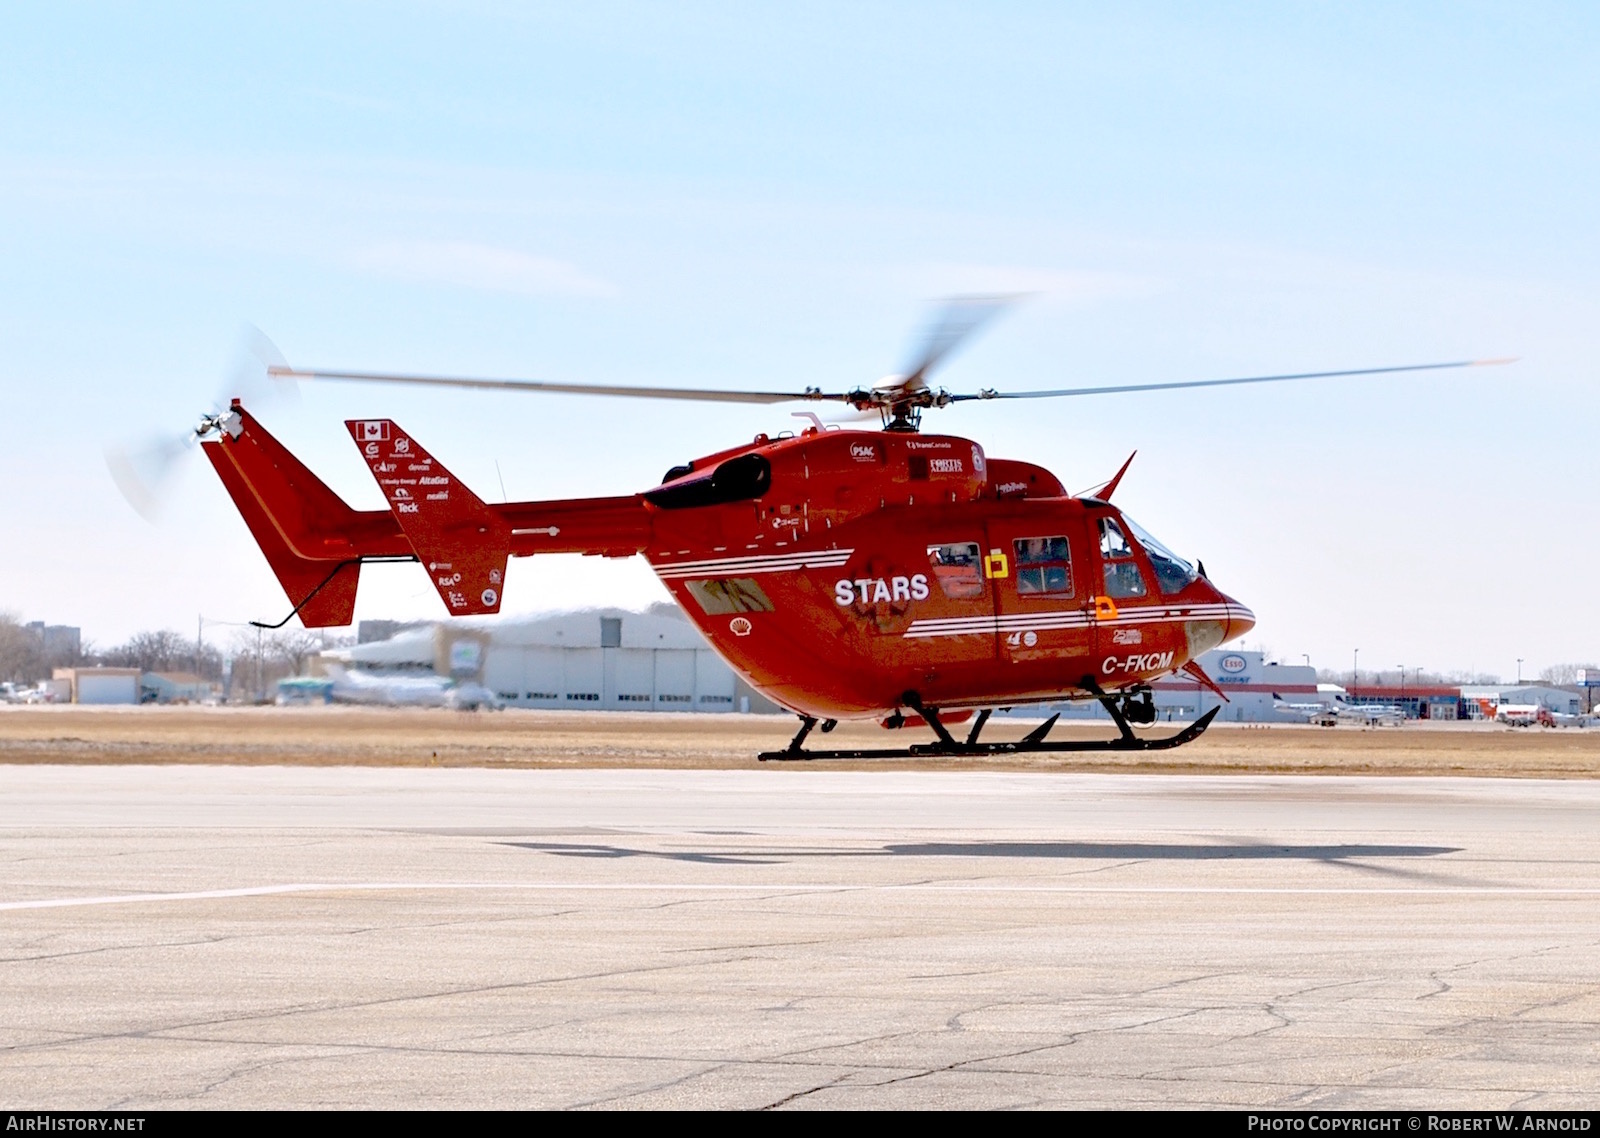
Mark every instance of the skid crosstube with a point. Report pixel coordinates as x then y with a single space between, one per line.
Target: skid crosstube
1125 741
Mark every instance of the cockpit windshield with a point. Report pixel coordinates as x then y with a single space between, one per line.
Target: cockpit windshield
1173 573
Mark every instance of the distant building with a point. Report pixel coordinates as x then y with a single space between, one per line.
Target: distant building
372 631
1259 690
177 687
1481 701
59 641
597 659
98 685
1418 701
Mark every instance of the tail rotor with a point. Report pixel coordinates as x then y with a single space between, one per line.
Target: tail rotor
147 470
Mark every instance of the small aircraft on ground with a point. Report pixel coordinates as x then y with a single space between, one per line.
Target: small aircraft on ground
1337 709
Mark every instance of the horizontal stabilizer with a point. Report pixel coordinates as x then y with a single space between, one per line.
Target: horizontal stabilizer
462 542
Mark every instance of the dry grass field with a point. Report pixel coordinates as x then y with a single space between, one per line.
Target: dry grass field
344 736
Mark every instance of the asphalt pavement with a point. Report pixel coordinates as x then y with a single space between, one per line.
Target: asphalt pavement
188 936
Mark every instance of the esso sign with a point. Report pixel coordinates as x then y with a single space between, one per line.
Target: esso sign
1233 665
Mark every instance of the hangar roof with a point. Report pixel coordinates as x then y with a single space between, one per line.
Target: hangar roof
415 647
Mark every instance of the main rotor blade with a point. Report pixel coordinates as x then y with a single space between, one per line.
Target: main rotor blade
1123 389
955 322
701 395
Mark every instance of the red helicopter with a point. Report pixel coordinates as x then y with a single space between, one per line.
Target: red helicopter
892 575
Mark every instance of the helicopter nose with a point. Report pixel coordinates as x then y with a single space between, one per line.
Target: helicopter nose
1240 619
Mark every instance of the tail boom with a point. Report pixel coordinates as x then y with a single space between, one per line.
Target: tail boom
315 543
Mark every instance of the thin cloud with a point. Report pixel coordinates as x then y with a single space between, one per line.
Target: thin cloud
488 267
947 278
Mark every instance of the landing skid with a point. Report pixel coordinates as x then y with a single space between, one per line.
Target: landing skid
1033 743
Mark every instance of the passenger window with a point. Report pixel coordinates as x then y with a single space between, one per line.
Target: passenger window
1044 565
1123 578
958 568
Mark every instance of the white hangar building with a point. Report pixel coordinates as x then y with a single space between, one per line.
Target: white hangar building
598 659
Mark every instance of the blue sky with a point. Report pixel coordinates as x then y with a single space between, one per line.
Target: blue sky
736 195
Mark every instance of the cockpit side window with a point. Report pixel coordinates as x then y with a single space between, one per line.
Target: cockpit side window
958 568
1173 573
1123 578
1044 565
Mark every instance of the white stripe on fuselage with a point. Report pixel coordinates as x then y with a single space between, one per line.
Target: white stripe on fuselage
1072 618
749 566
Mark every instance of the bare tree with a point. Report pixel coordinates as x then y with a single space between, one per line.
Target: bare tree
1558 675
1392 677
21 654
292 647
163 651
208 663
258 660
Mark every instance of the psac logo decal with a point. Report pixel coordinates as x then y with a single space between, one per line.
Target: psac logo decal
1233 664
1139 662
870 590
864 452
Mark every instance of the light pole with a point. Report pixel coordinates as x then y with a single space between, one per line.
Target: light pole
226 662
1519 671
1402 668
1355 671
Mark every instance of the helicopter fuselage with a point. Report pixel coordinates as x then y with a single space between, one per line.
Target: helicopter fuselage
835 570
880 564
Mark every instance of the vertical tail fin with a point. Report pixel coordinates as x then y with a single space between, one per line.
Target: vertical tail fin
322 591
463 542
312 539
